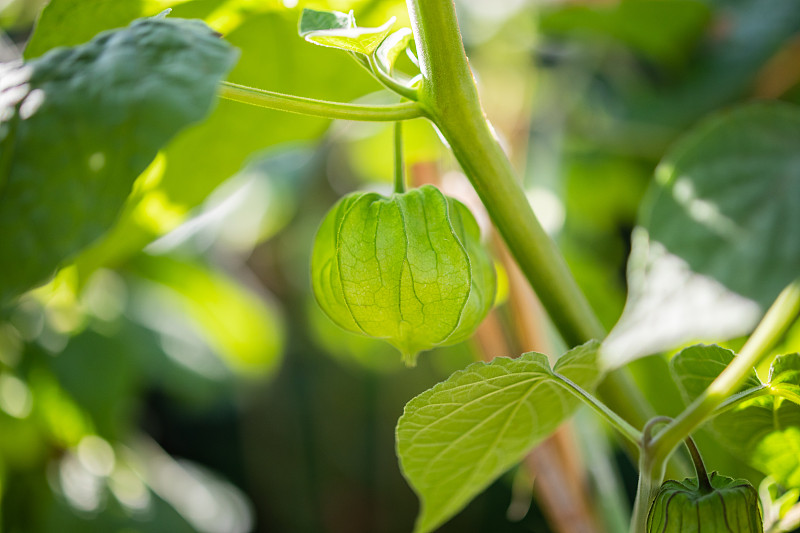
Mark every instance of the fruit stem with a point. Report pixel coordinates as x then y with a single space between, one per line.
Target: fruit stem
703 483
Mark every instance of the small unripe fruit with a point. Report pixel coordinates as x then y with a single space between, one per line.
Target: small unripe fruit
726 506
409 269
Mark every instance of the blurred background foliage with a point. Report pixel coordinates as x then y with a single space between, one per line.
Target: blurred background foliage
178 376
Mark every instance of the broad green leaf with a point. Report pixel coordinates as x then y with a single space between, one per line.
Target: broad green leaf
312 20
202 157
695 367
718 239
73 22
239 326
82 123
727 197
339 30
764 431
409 269
391 48
456 438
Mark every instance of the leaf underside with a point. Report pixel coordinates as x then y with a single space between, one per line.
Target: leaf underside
456 438
717 240
764 431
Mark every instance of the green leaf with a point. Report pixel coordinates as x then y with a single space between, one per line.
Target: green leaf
409 269
82 123
717 241
207 154
71 22
456 438
695 367
764 431
312 20
784 376
339 30
391 48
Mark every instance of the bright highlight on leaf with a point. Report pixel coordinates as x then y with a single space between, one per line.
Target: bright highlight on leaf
717 240
409 269
765 430
78 125
339 30
456 438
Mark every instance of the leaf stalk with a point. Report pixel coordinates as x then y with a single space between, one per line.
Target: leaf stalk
319 108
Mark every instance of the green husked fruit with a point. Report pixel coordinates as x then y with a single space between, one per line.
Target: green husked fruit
729 506
409 269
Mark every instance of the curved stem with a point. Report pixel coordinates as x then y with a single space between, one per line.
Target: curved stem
449 97
779 317
748 394
319 108
647 431
703 483
650 478
399 164
390 83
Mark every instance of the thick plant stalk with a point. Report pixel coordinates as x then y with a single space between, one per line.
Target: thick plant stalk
560 487
449 97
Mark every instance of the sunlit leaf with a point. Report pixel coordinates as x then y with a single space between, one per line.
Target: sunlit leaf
339 30
196 162
82 123
456 438
718 242
764 431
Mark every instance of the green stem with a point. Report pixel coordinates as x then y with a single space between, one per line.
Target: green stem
785 393
703 483
748 394
390 83
449 97
616 421
779 317
319 108
399 164
650 477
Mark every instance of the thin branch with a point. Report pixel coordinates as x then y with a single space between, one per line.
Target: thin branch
319 108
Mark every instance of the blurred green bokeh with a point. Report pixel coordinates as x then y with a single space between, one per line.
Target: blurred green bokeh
177 375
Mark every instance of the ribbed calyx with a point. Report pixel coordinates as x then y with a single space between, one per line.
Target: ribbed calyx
730 506
408 268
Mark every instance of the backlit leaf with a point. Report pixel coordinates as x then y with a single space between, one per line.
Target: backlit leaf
455 439
764 431
718 237
339 30
80 124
